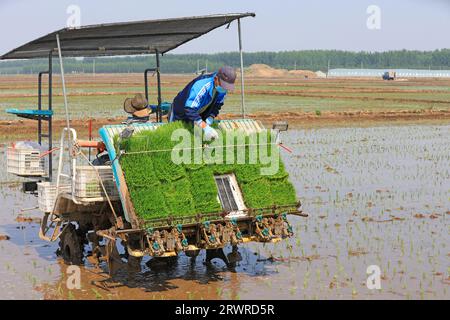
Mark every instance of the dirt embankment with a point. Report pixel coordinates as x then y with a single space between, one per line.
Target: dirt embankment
11 129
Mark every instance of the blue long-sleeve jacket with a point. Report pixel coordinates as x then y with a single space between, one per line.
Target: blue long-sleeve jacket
198 100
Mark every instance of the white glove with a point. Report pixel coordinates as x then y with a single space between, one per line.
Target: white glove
209 134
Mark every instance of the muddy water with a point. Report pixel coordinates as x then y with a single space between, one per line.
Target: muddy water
375 196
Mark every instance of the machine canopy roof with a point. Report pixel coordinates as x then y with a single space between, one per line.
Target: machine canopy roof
127 38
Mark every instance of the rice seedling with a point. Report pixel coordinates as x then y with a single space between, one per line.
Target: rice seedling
97 294
156 182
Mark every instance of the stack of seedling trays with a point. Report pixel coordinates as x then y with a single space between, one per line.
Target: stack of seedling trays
88 186
25 162
163 191
47 193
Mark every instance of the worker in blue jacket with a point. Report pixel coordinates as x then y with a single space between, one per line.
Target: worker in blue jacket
201 100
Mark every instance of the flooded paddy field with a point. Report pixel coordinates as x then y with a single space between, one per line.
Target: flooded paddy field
377 196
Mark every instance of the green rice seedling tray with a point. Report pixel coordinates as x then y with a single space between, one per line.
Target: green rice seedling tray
160 189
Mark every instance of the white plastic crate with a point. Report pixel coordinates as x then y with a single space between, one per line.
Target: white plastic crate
25 162
87 184
47 195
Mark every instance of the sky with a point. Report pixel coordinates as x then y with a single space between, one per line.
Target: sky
279 25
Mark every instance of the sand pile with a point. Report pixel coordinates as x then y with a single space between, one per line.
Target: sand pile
302 73
265 71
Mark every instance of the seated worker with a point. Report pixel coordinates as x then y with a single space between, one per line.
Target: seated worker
201 100
138 108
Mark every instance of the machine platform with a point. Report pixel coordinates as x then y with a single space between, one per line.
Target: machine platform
31 114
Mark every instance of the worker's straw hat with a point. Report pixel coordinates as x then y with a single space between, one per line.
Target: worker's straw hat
137 106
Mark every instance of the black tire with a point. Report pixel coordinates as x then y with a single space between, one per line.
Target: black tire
71 246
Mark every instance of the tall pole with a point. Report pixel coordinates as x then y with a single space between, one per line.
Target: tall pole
63 82
50 119
242 69
90 135
66 107
158 78
40 107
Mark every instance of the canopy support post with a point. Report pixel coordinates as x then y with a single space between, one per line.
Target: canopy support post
158 78
50 119
40 104
72 168
242 69
63 81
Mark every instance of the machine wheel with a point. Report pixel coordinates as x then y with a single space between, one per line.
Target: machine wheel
71 246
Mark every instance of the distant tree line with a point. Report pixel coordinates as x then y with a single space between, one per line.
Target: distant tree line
190 63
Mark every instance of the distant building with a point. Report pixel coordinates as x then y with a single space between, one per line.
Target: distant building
376 73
